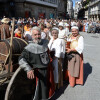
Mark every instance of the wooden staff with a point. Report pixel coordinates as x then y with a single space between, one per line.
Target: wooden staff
22 35
4 34
11 40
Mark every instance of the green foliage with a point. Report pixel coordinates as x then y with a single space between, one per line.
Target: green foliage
88 1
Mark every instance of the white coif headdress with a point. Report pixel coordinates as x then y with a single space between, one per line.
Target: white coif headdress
75 27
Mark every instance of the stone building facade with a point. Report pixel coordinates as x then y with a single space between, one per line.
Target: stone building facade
31 8
94 10
78 6
10 8
70 8
62 8
41 8
90 10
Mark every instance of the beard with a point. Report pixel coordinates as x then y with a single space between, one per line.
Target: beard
37 41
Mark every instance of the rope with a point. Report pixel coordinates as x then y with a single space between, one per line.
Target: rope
3 54
3 80
1 71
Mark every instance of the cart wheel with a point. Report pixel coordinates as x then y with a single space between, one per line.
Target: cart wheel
20 87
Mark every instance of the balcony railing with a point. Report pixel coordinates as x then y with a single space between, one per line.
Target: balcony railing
94 2
97 12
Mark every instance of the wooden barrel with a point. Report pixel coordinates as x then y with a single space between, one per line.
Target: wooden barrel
17 47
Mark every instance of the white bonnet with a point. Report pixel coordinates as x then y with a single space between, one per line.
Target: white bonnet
61 24
75 27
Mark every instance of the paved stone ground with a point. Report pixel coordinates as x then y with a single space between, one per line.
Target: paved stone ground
91 88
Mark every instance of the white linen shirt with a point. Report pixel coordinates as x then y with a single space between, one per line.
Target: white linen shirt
43 35
58 46
62 32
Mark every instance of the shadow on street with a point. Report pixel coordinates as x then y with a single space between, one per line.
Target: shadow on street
87 71
59 92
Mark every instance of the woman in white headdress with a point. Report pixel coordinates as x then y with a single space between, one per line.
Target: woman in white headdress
67 28
62 30
75 64
57 48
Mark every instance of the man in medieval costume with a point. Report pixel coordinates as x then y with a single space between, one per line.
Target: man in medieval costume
35 60
4 29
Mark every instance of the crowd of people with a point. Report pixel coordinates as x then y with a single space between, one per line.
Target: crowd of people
91 26
23 25
48 44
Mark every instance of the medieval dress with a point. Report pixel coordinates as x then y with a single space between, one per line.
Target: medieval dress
58 46
75 65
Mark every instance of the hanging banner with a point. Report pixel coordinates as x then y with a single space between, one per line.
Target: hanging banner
51 15
26 14
42 15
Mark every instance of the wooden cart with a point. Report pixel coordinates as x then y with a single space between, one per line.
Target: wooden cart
16 82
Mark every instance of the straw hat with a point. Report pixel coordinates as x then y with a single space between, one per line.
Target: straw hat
5 20
74 44
48 25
